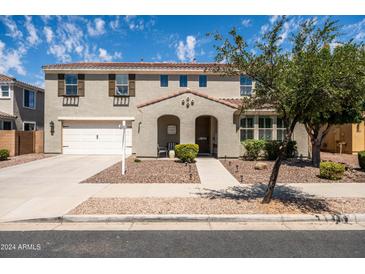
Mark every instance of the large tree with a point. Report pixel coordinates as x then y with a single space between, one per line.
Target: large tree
331 80
285 78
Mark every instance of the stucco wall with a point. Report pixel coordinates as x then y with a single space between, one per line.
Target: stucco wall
6 104
146 139
26 114
148 86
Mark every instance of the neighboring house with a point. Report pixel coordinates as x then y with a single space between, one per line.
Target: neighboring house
21 105
161 103
347 138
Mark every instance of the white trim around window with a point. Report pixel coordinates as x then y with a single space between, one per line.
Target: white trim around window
122 88
31 123
268 128
35 99
1 91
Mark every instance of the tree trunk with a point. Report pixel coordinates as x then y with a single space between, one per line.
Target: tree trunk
316 152
273 178
275 170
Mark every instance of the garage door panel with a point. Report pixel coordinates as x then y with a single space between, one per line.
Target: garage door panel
95 138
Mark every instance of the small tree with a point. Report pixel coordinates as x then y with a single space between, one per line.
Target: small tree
281 79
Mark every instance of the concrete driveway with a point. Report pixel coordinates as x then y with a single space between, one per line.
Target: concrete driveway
49 187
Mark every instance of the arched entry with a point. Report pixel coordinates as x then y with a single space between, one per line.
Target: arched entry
206 135
168 131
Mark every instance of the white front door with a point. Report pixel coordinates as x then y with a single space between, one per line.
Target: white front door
95 137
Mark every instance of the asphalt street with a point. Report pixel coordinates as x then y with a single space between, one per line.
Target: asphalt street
182 244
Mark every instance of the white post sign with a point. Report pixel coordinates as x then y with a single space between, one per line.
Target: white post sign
123 127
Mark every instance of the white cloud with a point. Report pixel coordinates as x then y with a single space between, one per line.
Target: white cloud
355 31
117 55
273 19
60 52
103 55
12 27
186 51
246 22
10 59
136 23
48 33
114 24
97 28
32 38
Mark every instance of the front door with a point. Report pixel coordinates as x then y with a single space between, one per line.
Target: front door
202 133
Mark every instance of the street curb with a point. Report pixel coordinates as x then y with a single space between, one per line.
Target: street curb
343 218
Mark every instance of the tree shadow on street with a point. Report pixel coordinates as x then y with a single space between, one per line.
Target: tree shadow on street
287 195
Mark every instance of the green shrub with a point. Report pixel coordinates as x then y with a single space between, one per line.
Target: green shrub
272 149
137 160
4 154
253 148
331 171
361 158
187 152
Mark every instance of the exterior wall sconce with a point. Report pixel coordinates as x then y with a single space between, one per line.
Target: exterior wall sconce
51 126
187 102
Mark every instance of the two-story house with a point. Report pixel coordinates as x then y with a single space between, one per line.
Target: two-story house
21 105
161 103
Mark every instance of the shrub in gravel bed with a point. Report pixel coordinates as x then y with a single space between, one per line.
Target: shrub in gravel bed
253 148
4 154
361 158
331 171
187 152
272 149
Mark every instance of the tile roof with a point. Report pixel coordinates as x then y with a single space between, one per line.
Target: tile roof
131 65
4 115
238 102
154 101
5 78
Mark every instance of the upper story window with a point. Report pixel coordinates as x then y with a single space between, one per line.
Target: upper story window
164 81
280 129
29 100
202 81
71 84
265 128
247 128
121 84
5 91
29 126
245 86
183 81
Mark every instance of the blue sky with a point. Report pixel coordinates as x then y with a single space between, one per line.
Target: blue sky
28 42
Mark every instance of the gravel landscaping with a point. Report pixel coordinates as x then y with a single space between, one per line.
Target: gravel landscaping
348 159
291 171
148 172
217 206
22 159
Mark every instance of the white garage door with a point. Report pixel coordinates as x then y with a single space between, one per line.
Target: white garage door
91 137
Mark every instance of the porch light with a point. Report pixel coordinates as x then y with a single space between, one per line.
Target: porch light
192 102
51 126
182 102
